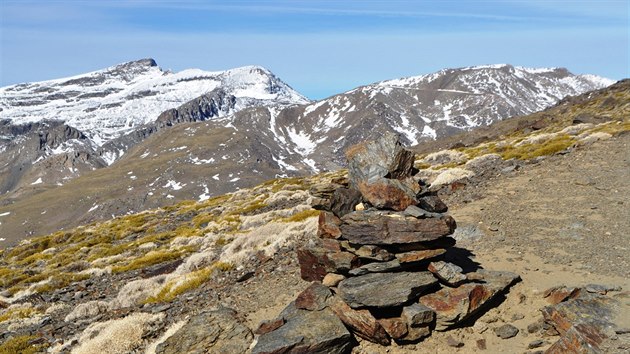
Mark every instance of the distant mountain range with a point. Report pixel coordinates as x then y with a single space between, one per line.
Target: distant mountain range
133 136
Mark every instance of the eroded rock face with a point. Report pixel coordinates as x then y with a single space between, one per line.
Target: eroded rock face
383 290
217 331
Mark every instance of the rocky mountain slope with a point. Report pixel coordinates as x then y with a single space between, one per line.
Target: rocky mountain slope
213 143
106 112
154 280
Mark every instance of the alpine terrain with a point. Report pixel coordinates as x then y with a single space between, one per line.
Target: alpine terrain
510 238
134 136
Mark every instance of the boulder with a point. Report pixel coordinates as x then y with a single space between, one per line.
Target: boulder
381 170
454 305
449 273
361 322
317 261
305 332
371 227
385 157
383 290
215 331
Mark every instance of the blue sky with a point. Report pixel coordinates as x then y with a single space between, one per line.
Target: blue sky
318 47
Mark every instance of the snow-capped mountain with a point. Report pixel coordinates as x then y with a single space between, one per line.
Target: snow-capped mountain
418 108
107 103
154 137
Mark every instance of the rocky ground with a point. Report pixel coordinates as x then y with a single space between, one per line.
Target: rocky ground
558 220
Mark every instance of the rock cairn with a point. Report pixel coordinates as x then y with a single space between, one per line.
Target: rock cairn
378 266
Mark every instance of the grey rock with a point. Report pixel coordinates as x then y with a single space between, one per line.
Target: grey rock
506 331
536 344
432 203
448 273
215 331
385 289
306 332
418 315
377 267
372 227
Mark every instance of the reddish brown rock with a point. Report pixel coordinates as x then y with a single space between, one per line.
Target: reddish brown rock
417 256
396 327
558 294
389 193
268 326
454 305
481 344
586 322
316 262
313 298
361 322
371 227
328 225
448 273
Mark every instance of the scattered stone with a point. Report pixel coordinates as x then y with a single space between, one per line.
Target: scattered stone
432 203
305 332
382 267
328 225
448 273
313 298
269 325
455 343
384 289
361 322
371 227
506 331
454 305
601 289
215 331
517 316
536 344
421 255
396 327
246 276
480 327
481 344
332 279
418 315
535 327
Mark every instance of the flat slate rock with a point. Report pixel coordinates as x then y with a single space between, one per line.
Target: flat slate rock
383 290
316 332
377 267
361 322
455 305
217 331
373 227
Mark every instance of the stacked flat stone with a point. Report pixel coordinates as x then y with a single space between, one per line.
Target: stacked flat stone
377 261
